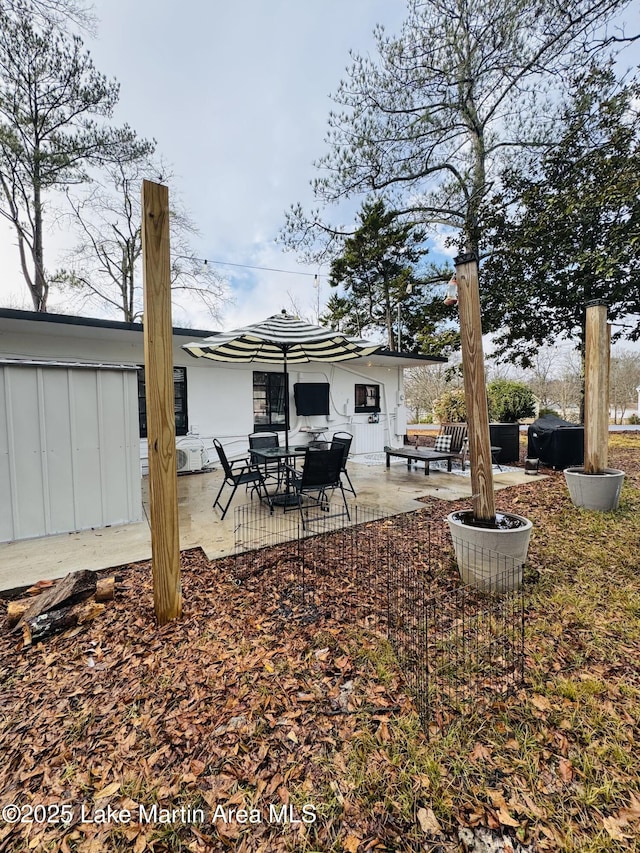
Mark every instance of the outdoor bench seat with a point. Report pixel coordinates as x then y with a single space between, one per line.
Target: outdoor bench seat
413 455
459 441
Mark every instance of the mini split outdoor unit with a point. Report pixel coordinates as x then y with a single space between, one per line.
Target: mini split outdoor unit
190 456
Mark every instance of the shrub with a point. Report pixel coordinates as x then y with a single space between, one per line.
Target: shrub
547 411
633 420
509 401
450 407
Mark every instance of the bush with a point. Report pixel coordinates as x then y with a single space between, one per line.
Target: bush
509 401
450 407
547 411
633 420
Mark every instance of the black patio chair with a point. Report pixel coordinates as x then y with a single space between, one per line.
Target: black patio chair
261 441
246 474
320 475
344 439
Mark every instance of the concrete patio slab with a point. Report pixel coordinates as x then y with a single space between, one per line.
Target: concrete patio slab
390 491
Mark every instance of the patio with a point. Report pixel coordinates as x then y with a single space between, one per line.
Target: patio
391 491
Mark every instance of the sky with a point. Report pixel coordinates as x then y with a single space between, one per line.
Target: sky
236 95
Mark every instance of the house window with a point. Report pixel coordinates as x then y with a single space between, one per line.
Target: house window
179 401
367 398
268 401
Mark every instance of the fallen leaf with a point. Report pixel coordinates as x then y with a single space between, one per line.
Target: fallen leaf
614 829
429 822
506 819
540 702
631 812
109 791
479 753
351 844
565 769
140 845
497 798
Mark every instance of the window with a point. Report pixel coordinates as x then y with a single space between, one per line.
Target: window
268 401
367 398
179 401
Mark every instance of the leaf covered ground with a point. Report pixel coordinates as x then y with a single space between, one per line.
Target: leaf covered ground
243 728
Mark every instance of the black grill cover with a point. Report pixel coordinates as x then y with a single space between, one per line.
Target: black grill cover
556 443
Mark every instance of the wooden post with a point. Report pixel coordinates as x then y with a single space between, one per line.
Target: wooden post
475 392
596 388
161 427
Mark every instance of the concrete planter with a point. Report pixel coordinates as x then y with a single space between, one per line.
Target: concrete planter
491 559
595 491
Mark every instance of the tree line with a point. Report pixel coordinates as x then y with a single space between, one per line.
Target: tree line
553 384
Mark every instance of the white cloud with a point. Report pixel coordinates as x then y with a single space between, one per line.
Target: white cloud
236 95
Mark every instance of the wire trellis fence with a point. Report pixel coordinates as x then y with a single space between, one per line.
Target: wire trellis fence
458 645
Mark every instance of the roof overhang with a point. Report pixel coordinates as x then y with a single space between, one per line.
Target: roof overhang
81 327
388 358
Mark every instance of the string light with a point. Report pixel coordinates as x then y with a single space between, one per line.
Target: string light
206 261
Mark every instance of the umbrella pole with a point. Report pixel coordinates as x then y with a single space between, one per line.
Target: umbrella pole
286 402
287 498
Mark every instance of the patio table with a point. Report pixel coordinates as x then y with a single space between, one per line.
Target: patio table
282 455
419 454
427 455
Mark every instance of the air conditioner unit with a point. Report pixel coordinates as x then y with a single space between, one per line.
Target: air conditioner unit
190 457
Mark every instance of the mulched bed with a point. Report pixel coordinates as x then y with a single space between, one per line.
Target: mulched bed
259 698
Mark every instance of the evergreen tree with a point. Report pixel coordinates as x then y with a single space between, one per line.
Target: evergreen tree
569 231
376 272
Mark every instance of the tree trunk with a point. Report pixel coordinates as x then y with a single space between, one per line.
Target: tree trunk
39 291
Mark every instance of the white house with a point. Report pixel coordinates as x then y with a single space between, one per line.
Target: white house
73 426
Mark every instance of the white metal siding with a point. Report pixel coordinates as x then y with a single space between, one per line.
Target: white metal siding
69 449
367 438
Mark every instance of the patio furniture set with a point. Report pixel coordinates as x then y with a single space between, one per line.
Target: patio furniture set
268 464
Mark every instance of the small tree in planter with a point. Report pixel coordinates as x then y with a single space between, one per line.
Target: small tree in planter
595 486
510 401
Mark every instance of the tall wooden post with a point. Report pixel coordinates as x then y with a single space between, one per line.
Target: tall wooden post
596 388
161 427
475 392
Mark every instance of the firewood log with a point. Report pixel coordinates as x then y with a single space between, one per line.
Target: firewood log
75 587
105 589
44 625
16 610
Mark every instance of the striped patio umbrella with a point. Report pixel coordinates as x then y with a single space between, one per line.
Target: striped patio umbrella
285 340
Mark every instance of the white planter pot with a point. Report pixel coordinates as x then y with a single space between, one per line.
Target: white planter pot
595 491
491 559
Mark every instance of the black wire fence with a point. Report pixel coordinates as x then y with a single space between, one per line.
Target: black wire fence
458 645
